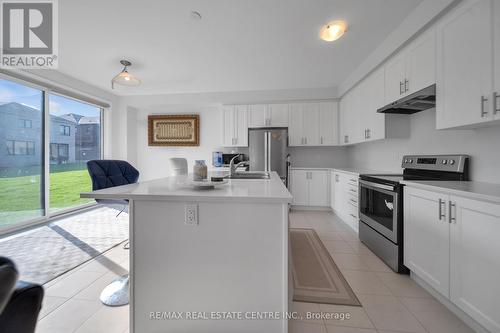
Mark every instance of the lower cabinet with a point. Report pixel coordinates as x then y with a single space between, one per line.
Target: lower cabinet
451 242
344 197
427 237
309 187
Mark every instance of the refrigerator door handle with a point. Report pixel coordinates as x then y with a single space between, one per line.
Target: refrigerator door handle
269 158
266 152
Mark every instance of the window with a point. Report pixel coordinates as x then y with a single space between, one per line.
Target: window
21 161
25 123
65 130
59 152
74 128
78 141
15 147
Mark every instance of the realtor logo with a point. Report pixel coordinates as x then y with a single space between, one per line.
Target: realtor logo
29 34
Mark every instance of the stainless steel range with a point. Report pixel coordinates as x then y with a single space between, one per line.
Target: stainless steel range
381 202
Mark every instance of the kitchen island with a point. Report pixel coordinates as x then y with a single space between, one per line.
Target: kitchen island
222 273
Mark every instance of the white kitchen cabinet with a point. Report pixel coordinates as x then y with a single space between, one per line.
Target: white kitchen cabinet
427 238
299 187
328 123
257 115
421 62
395 72
475 261
344 197
350 125
311 123
496 65
464 66
412 69
296 127
235 122
333 189
309 187
268 115
304 124
451 242
278 115
372 98
318 192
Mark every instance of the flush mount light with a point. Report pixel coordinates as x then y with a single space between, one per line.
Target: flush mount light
333 30
124 78
195 15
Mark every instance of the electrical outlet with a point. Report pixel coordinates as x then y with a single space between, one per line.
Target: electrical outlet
191 216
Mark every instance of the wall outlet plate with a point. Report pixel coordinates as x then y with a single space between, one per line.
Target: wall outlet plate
191 214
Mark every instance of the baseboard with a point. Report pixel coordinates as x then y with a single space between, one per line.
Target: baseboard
311 208
468 320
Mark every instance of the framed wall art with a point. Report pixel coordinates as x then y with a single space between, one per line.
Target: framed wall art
174 130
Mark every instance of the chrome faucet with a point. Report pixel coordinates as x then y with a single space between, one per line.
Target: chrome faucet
233 167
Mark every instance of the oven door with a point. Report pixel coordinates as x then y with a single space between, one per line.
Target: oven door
378 208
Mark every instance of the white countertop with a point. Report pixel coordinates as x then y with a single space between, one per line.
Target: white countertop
175 189
470 189
355 171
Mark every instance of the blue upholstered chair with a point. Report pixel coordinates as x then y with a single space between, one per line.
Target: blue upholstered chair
105 174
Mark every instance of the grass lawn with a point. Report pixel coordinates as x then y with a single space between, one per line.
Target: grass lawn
22 194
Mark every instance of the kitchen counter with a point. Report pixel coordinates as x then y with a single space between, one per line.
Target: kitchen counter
356 171
206 251
177 189
477 190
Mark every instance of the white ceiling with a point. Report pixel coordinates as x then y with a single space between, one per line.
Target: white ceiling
239 45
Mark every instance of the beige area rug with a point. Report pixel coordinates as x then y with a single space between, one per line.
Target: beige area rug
316 278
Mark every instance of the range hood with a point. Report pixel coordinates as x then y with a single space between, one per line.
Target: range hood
418 101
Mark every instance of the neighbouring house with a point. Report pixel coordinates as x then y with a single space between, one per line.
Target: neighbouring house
20 138
88 136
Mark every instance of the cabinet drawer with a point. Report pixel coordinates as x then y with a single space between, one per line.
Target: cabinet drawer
353 202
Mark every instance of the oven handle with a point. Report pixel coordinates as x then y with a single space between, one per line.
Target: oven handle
376 185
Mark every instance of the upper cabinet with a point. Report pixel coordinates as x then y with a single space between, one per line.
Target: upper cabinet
328 123
496 53
235 122
313 124
268 115
412 69
465 65
278 115
304 124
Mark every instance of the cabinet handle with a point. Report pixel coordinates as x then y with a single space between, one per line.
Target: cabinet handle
400 87
452 207
365 134
483 112
352 190
337 178
407 85
495 102
441 215
353 215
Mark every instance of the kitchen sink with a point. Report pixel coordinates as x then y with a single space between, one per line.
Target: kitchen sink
249 175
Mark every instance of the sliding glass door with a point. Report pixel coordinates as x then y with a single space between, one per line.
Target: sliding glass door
21 153
75 138
45 141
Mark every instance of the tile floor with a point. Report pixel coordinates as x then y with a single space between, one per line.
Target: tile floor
391 302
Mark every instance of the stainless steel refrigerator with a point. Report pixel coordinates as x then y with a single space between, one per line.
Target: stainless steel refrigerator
268 150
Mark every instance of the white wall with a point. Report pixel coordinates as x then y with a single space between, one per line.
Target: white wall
482 144
153 162
319 157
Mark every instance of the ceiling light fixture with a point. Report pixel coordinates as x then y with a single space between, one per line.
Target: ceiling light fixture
124 78
333 30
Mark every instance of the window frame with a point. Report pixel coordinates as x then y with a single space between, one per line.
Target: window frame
48 216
